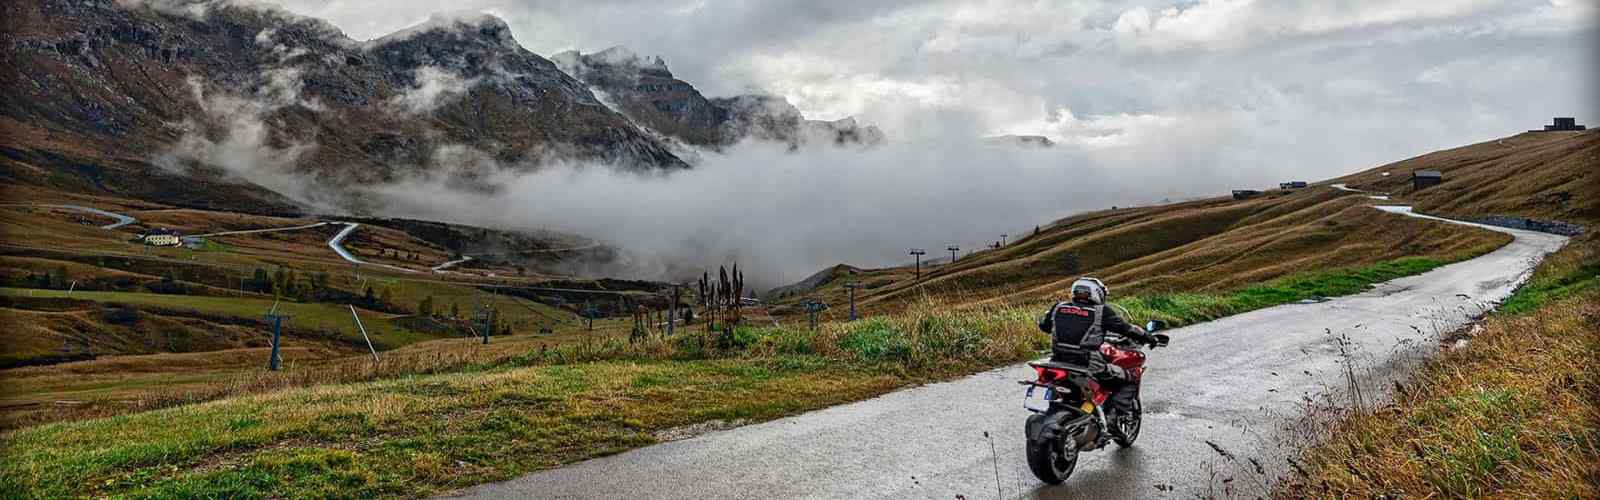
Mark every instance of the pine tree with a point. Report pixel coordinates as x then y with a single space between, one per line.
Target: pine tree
58 278
259 282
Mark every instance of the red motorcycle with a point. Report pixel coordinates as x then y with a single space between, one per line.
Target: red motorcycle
1069 416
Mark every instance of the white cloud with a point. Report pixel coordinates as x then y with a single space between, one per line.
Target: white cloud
433 87
234 135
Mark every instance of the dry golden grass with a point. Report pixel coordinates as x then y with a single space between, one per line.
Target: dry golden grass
1220 243
1209 245
1543 175
1512 414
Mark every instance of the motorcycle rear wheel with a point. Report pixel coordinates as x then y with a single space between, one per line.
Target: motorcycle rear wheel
1126 427
1050 462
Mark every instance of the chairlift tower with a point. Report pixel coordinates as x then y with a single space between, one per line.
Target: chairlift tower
851 287
589 312
486 320
275 318
813 307
953 249
918 253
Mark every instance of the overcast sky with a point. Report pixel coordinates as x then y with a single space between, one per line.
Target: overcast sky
1150 99
1387 77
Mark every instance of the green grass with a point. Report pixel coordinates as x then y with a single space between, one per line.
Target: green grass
1544 290
417 436
305 316
1187 308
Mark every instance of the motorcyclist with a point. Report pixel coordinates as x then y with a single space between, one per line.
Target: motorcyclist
1078 327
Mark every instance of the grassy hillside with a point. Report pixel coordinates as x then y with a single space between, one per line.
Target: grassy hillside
1219 244
1478 421
1213 245
1542 175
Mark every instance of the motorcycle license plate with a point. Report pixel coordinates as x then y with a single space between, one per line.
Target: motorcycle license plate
1036 400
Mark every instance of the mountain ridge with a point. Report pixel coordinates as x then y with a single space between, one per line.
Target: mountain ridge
247 96
646 90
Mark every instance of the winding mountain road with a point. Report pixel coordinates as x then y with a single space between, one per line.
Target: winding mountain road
1239 385
122 220
441 268
336 244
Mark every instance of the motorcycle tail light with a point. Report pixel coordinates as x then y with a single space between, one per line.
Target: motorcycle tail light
1050 374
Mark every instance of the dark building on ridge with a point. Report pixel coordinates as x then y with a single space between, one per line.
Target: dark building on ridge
1423 179
1562 124
1245 194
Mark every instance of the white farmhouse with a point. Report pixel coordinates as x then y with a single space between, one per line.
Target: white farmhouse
162 238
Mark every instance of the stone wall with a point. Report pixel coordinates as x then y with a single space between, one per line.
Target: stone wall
1552 227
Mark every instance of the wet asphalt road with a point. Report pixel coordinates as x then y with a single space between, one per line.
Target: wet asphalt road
1241 383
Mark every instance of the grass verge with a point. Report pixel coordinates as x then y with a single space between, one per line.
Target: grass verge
1186 308
1511 414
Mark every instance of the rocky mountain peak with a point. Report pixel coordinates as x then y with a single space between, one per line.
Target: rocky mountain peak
616 63
646 91
458 28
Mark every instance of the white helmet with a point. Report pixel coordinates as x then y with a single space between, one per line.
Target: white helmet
1091 289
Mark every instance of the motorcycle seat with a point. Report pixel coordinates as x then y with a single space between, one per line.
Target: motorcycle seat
1071 367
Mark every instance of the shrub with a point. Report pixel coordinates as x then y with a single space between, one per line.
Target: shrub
875 339
121 314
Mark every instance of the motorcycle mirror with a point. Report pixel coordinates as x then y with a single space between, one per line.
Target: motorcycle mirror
1155 324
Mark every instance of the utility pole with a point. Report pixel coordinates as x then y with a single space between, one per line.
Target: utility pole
953 249
918 253
851 287
672 311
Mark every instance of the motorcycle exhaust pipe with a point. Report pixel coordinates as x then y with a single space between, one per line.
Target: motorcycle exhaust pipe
1081 431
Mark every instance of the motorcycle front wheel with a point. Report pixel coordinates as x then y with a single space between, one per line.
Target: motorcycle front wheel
1049 461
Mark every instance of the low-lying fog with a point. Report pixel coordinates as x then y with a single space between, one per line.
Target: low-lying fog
784 215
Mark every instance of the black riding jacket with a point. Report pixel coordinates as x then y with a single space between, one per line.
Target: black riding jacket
1109 321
